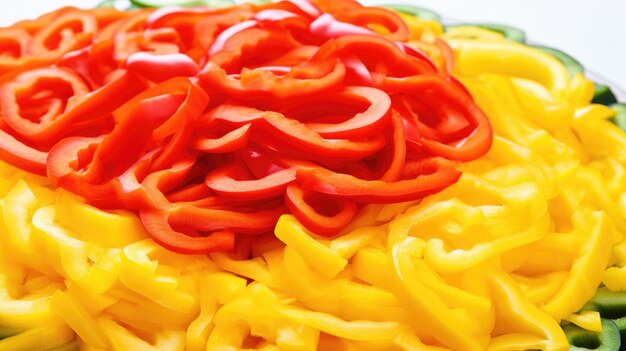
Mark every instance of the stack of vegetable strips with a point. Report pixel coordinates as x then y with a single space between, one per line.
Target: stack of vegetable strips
303 175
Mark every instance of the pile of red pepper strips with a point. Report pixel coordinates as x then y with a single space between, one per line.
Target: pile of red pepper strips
211 123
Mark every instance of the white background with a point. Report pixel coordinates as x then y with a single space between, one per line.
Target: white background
592 31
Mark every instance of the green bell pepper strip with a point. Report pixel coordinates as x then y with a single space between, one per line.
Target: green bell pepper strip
118 5
621 325
183 3
572 65
107 3
603 95
582 340
620 118
510 33
418 12
610 304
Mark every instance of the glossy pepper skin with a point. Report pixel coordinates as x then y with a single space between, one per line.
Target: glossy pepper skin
493 262
204 120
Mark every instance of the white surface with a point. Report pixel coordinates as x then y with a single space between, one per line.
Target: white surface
592 31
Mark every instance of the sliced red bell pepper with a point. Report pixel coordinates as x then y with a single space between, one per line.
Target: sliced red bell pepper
13 44
33 26
224 183
182 20
295 134
363 124
320 224
70 30
193 193
34 100
20 155
232 141
129 139
355 13
69 107
157 224
209 28
67 162
258 84
376 191
382 57
450 102
209 220
94 63
155 185
159 68
398 150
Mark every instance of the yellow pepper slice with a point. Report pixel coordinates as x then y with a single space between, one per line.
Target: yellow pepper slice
589 320
41 338
89 265
77 317
316 255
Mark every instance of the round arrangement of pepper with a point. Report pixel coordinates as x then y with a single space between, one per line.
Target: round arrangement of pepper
495 261
211 123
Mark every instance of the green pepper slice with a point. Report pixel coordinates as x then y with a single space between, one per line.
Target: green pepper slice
118 5
581 340
603 95
610 304
572 65
418 12
509 33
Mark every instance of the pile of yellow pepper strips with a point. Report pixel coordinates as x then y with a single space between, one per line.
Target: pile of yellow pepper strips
494 262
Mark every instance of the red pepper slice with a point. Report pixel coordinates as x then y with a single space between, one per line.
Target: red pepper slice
156 184
232 141
382 57
208 29
159 68
70 30
455 102
95 63
376 191
355 13
60 103
363 124
273 185
157 224
209 220
33 101
260 84
131 36
295 134
67 162
13 44
399 154
33 26
193 193
19 155
128 140
129 188
182 20
320 224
